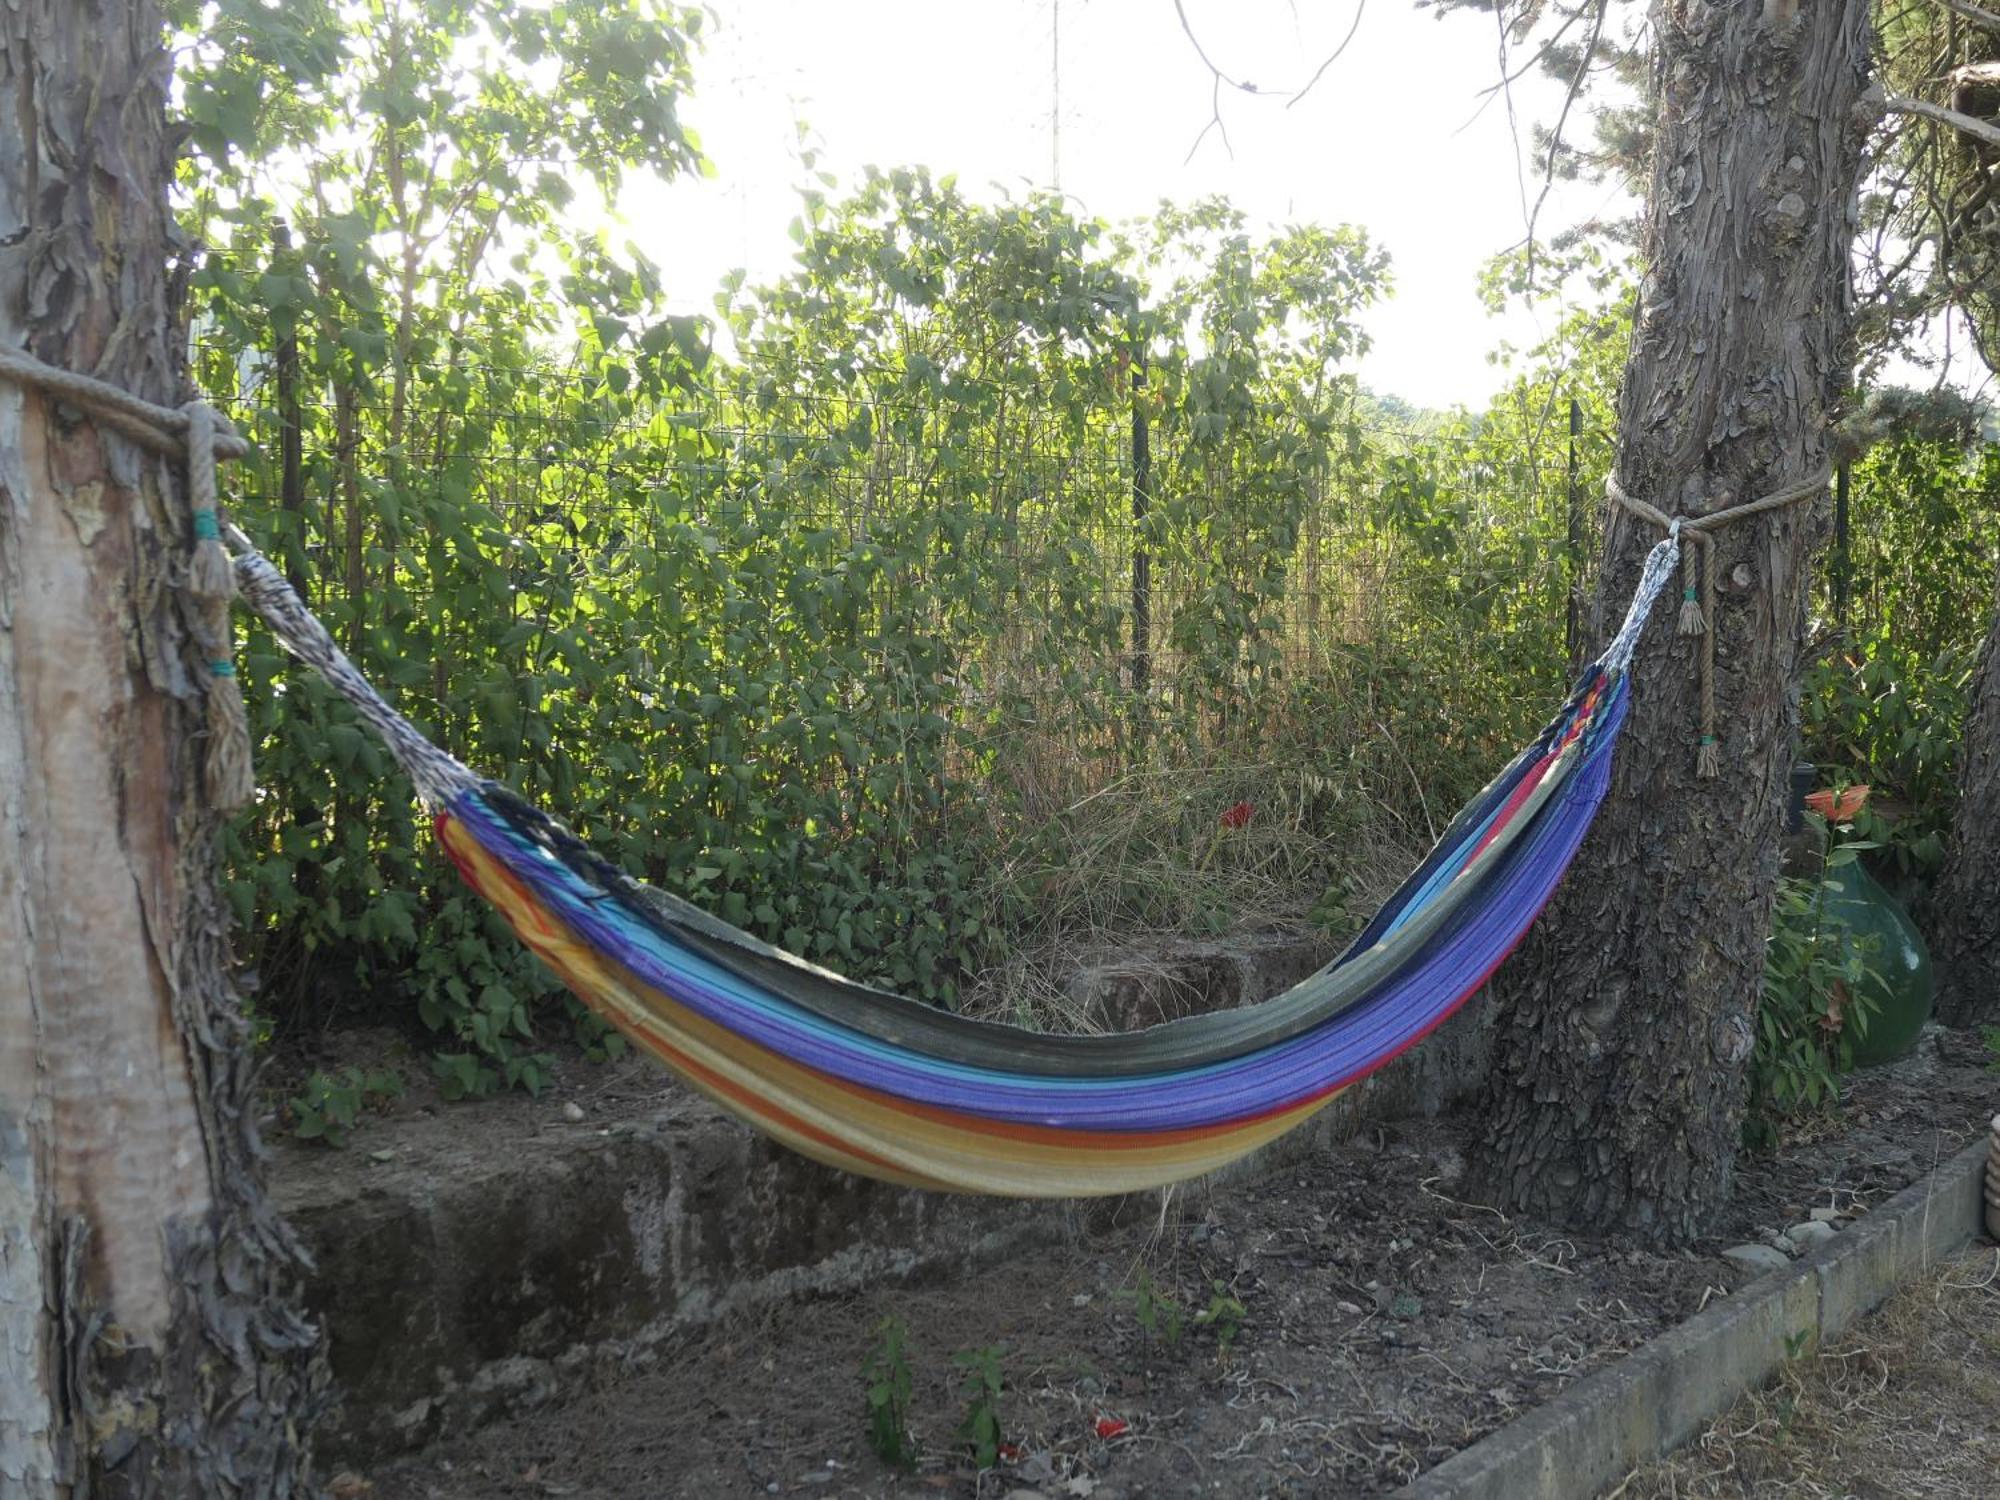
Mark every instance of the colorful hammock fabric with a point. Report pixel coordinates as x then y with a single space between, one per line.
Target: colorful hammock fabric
887 1087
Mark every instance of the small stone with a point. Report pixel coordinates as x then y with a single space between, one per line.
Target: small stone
1811 1233
1827 1216
1351 1309
573 1112
1759 1258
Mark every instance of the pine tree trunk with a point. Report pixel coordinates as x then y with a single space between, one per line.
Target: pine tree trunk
1964 918
1618 1081
146 1343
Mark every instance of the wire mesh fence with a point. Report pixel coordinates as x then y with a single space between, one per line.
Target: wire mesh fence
1130 543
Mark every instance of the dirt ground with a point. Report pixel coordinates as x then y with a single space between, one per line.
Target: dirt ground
1907 1405
1333 1328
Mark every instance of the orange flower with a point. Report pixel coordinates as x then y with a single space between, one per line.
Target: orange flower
1843 808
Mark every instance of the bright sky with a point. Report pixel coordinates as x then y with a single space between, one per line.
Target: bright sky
969 86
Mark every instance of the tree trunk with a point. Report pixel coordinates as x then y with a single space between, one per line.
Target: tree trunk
1618 1081
146 1346
1964 917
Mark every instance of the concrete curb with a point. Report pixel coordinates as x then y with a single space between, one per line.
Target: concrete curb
1657 1397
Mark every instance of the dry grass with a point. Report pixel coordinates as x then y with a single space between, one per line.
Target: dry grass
1150 858
1905 1407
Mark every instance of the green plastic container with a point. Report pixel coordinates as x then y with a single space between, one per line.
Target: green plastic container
1902 987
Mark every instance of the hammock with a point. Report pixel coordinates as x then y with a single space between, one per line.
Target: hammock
887 1087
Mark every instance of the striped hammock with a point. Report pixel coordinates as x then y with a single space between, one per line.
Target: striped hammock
887 1087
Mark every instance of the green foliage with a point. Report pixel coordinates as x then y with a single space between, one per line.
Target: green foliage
980 1390
330 1103
1915 595
1223 1317
1815 1003
886 1374
833 637
1155 1310
1991 1036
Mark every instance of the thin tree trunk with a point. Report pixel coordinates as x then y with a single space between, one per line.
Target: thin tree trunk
146 1344
1964 916
1618 1083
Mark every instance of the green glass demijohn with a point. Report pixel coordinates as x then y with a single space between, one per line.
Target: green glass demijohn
1900 982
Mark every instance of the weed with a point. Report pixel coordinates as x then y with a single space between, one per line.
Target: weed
329 1104
981 1393
887 1373
1223 1317
1991 1036
1158 1315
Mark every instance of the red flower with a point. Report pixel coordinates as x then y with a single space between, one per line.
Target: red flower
1009 1453
1237 816
1843 808
1111 1427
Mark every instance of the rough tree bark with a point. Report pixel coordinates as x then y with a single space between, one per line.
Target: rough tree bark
147 1344
1618 1083
1964 916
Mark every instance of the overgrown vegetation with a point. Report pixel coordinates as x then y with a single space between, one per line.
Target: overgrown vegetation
1816 1003
1904 608
841 635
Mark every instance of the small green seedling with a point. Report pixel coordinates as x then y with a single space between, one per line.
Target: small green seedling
981 1393
887 1374
1223 1316
1158 1315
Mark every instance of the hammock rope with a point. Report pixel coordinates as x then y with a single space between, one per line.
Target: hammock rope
1697 617
876 1083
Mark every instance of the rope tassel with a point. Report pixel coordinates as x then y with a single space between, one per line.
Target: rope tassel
227 774
1692 621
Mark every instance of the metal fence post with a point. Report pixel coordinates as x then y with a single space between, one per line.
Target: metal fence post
1573 615
1142 562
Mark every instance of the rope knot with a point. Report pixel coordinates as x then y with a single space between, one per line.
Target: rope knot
1697 613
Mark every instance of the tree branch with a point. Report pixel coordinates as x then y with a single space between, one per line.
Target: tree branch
1331 57
1220 79
1986 18
1979 130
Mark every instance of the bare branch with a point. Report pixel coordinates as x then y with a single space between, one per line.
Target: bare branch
1199 51
1331 57
1220 80
1979 130
1986 18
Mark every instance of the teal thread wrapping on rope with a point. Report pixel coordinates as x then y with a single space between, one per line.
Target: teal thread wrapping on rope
206 527
222 666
